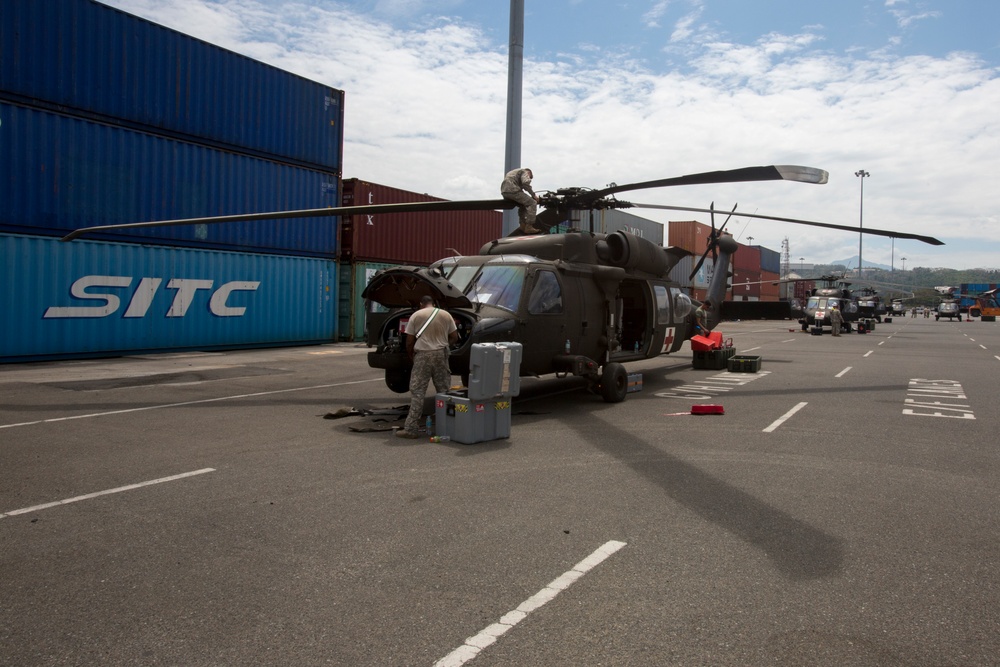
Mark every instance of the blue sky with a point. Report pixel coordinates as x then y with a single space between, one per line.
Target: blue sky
625 91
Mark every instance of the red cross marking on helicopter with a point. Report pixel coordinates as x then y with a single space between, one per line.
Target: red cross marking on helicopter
668 340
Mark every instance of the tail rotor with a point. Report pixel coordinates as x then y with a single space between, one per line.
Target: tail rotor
713 240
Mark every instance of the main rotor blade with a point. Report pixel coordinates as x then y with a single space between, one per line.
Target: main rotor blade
866 230
372 209
768 173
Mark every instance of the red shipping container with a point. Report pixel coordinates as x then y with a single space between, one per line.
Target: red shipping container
410 238
748 258
769 289
746 285
688 235
803 289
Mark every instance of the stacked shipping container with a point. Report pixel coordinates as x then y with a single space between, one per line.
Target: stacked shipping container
410 238
101 63
373 242
106 118
71 173
755 268
971 290
692 236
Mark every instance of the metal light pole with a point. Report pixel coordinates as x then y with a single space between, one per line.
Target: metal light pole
903 259
515 59
861 217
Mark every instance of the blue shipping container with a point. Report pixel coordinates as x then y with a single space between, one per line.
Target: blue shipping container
88 298
64 173
83 56
770 260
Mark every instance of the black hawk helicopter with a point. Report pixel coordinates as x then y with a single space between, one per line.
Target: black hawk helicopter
950 304
835 294
580 303
870 304
897 308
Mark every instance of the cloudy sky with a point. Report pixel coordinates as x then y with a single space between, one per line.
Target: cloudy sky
633 90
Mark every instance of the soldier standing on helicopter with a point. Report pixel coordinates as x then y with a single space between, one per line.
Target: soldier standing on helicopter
516 187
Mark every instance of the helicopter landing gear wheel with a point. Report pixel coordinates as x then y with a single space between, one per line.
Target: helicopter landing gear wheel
398 380
614 383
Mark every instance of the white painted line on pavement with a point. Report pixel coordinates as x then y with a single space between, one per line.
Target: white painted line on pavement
751 349
882 343
474 645
843 372
179 405
868 353
785 417
88 496
982 346
790 340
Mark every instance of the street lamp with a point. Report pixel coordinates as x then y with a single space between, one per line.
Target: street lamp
801 265
861 217
904 262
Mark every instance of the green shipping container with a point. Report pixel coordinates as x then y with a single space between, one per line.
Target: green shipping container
354 278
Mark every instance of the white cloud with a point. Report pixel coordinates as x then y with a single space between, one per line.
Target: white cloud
652 17
426 110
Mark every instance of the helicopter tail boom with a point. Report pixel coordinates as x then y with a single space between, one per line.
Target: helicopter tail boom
727 245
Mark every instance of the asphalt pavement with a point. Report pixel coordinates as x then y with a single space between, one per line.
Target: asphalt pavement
208 509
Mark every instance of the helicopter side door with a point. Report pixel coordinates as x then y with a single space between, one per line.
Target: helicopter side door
548 307
673 319
634 319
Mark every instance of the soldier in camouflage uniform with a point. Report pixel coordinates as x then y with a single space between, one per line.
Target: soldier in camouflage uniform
516 187
429 332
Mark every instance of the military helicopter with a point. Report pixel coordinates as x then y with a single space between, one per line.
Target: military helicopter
949 306
897 308
581 303
835 293
870 305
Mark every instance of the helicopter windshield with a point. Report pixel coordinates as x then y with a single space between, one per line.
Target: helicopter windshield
460 276
497 285
821 303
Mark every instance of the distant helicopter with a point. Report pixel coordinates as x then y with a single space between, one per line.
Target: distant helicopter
897 308
869 303
581 303
949 306
834 293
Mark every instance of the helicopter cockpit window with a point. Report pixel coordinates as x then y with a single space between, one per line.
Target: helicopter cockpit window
662 304
546 295
497 285
460 276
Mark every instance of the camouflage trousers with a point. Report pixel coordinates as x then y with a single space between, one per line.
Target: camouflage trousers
428 366
527 207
